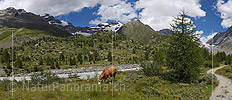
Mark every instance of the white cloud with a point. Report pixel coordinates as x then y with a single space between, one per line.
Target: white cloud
117 10
159 13
156 13
225 8
53 7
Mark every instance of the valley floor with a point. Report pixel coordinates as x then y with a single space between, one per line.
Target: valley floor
129 85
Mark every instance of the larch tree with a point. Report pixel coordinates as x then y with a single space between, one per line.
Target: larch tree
183 55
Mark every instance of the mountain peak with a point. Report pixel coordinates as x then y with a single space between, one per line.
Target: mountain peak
136 30
10 11
222 41
19 18
165 31
10 8
135 22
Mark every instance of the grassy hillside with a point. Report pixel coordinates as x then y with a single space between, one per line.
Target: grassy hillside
136 30
45 52
34 23
20 35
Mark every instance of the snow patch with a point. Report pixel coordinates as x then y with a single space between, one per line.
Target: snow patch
82 33
64 23
113 26
204 39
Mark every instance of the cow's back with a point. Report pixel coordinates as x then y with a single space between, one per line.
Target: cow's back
111 70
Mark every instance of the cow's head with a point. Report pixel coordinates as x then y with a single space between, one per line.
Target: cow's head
100 81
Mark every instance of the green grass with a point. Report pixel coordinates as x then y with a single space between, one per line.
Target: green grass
6 33
70 47
22 33
226 71
134 85
29 32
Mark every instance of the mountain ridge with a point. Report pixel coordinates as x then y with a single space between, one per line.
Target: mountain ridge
222 41
141 32
19 18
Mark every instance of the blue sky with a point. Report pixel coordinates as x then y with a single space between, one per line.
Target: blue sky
208 24
81 18
209 15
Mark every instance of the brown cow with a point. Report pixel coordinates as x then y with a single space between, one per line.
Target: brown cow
107 73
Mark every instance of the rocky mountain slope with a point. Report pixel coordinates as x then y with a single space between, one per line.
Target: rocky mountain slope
165 31
19 18
222 41
81 30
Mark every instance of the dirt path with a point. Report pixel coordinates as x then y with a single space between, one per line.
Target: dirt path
224 89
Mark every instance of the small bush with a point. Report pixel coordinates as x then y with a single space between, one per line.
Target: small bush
37 68
209 64
45 78
73 76
207 78
151 68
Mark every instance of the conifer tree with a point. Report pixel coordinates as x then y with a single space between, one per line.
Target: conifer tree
8 66
57 65
36 68
133 51
40 60
5 56
109 56
184 57
61 57
79 58
18 63
146 54
52 66
95 54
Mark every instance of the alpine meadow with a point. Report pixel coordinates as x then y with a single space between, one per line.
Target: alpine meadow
115 50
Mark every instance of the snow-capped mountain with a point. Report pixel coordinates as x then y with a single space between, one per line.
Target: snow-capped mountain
57 23
19 18
86 31
204 40
110 26
165 31
222 41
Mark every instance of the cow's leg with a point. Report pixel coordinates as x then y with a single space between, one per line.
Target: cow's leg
106 79
114 76
109 78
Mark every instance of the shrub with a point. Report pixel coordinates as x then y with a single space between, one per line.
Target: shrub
73 76
45 78
151 68
209 64
207 78
37 68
